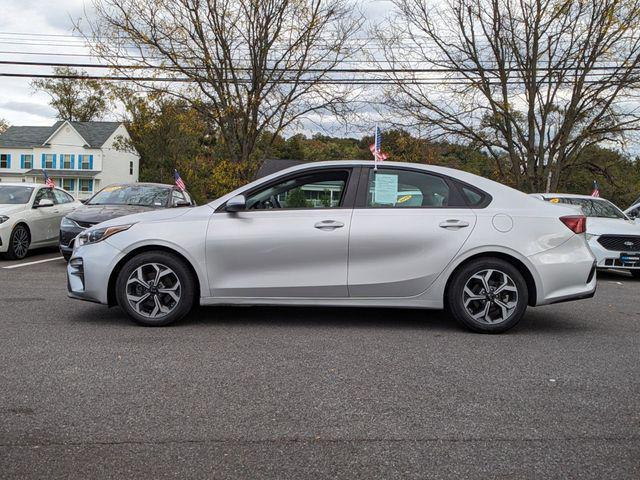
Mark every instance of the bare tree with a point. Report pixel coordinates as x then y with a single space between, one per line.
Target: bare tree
74 97
254 67
532 82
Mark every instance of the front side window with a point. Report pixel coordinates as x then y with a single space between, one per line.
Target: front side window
12 195
4 161
406 189
144 195
44 194
313 190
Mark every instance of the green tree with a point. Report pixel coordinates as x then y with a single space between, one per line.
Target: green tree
74 97
297 199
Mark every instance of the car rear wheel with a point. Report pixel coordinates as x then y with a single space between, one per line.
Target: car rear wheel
488 295
18 243
155 289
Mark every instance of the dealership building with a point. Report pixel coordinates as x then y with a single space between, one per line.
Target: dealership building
80 157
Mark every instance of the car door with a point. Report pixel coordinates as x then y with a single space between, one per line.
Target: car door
65 205
406 228
291 241
42 223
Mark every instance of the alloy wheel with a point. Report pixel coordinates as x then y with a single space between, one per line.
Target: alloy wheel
153 290
490 296
20 242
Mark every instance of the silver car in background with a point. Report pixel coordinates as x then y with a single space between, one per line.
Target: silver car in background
614 238
343 234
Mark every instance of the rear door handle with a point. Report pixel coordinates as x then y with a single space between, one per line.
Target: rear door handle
454 224
328 225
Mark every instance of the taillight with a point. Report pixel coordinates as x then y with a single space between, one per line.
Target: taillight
575 223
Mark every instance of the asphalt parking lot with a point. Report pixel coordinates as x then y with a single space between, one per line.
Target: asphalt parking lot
314 393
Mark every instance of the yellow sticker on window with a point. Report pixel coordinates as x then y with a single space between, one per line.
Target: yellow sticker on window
554 200
404 198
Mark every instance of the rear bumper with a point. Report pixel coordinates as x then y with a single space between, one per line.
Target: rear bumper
566 272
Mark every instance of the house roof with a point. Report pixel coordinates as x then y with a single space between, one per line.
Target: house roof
94 133
270 166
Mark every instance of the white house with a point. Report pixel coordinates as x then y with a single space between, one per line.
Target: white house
81 157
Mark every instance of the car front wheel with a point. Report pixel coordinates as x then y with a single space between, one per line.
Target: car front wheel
18 243
488 295
155 288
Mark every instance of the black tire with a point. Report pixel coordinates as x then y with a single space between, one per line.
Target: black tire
470 275
635 274
17 249
179 271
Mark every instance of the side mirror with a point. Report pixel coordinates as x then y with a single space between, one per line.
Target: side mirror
236 204
182 203
45 202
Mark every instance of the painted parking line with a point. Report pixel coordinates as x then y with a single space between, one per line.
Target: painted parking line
32 263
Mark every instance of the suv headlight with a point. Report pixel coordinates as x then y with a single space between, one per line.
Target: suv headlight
96 235
66 222
3 218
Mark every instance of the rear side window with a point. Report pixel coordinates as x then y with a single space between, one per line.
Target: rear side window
393 188
474 197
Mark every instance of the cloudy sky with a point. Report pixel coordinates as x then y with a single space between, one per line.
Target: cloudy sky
30 27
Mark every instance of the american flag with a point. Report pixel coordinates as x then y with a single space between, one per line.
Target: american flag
596 189
179 183
376 147
47 181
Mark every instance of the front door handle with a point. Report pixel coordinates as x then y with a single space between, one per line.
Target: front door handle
328 225
454 224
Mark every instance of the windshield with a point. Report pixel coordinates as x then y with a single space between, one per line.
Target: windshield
13 195
143 195
592 207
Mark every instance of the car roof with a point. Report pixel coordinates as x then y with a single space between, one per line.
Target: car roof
21 184
149 184
568 195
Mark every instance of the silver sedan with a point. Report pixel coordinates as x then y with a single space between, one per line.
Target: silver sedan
343 233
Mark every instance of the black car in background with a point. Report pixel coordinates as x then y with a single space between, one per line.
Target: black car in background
118 200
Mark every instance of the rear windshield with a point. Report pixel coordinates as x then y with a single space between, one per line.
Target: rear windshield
142 195
598 208
14 195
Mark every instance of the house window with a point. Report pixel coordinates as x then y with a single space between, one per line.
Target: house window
65 161
84 162
5 160
28 161
48 160
130 168
85 185
68 184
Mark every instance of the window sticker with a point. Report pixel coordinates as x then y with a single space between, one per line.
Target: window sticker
554 200
385 189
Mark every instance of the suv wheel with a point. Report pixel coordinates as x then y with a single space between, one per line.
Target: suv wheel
488 295
155 288
18 243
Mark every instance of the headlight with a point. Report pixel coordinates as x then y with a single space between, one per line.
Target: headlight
3 218
66 222
589 236
98 234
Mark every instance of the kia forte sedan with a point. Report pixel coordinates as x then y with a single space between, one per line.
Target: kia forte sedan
343 234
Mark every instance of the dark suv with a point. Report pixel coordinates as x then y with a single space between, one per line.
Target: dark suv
118 200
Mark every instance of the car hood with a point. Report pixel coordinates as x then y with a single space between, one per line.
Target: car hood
102 213
612 226
149 216
8 208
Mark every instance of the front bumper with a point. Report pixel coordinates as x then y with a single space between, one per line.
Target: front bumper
66 239
92 283
5 234
611 258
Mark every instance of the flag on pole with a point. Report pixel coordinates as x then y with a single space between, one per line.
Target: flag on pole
596 189
376 147
179 183
47 181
